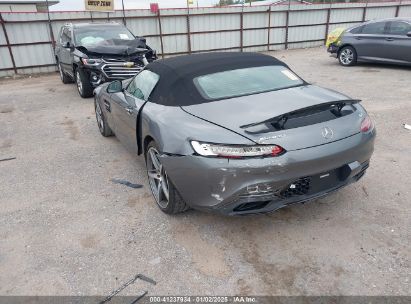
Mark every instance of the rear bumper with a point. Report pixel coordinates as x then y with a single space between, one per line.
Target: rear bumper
292 193
267 184
333 50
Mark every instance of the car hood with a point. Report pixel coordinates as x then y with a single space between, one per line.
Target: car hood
119 47
235 113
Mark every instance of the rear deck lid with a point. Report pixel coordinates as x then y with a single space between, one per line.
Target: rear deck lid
257 116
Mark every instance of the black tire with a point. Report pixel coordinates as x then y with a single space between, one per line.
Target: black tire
347 56
175 203
102 124
84 87
63 76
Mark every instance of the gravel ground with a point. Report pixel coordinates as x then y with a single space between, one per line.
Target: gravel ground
66 229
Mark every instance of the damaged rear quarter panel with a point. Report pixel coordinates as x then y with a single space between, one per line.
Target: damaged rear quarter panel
172 129
205 182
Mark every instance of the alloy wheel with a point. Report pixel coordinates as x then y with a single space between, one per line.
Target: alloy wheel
157 178
79 83
346 56
99 117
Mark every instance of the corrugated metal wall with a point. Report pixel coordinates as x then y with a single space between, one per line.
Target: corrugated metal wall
257 28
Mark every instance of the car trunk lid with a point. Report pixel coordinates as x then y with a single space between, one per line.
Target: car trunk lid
257 117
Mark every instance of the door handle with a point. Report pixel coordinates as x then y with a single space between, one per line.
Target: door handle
389 39
107 105
129 111
358 38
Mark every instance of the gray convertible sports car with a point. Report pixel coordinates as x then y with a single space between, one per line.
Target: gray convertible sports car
236 133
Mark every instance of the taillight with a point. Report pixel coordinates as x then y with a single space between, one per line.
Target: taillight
236 151
366 124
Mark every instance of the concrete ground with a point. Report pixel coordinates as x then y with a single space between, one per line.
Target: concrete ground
66 229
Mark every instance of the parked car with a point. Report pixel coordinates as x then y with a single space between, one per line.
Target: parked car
387 41
93 53
236 133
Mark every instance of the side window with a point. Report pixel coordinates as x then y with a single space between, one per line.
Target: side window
131 87
376 28
357 30
69 34
399 28
65 36
143 84
62 37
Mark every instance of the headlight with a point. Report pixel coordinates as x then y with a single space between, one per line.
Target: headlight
91 61
236 151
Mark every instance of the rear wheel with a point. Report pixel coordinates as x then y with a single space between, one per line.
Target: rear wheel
64 78
84 87
347 56
101 121
165 194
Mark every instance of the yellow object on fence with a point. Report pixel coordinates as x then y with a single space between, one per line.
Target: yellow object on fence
334 35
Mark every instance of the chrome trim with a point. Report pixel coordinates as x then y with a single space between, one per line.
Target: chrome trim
116 68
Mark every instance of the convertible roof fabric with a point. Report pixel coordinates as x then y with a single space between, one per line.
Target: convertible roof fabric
176 86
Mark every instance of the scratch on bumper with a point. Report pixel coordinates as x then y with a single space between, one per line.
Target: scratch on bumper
214 183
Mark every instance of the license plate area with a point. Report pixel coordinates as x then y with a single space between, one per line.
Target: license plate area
324 181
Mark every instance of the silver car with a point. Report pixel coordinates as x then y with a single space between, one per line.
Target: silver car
386 41
236 133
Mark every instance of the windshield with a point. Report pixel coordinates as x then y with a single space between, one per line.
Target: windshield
246 81
91 36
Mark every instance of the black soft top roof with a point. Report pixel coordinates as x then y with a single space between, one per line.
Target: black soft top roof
176 86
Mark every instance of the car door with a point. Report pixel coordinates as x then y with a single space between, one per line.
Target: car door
398 46
126 106
59 42
65 50
106 104
370 41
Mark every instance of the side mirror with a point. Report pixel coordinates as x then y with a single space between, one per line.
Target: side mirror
409 34
68 45
142 39
115 87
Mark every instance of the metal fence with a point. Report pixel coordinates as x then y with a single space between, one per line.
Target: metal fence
27 40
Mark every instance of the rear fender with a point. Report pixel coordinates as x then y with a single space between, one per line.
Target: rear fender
173 129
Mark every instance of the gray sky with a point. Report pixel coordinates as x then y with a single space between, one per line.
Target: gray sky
78 5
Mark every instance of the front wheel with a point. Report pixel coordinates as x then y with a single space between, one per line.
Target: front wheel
347 56
84 87
165 194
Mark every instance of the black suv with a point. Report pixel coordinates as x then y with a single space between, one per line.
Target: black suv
93 53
